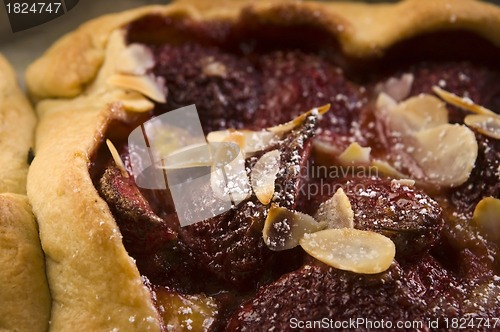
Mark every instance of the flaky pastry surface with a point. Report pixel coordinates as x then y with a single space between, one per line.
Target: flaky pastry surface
24 293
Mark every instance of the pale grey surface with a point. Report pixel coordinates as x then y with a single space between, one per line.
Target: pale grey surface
23 47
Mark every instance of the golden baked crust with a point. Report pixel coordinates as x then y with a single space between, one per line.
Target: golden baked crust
24 292
94 283
18 121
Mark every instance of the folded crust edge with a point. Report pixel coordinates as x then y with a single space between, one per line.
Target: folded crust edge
363 31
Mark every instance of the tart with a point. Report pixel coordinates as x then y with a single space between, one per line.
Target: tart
24 292
369 146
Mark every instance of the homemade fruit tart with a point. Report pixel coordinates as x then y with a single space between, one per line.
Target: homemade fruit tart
24 292
370 149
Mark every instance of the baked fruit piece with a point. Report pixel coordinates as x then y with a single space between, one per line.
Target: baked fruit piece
24 293
423 196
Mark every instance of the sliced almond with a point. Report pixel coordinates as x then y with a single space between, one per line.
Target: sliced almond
146 84
485 124
418 113
228 178
284 228
125 68
134 104
414 114
355 154
397 88
446 154
218 136
463 103
336 211
131 101
487 218
351 249
236 137
196 155
249 141
263 176
258 140
327 153
135 59
168 133
288 126
385 168
211 67
402 182
384 103
117 158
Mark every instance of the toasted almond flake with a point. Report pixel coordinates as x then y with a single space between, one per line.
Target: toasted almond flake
351 249
263 176
421 123
485 124
385 168
218 135
117 158
121 58
258 140
136 104
131 101
284 228
166 139
418 113
211 67
463 103
384 103
250 142
397 88
327 153
402 182
146 84
135 59
195 155
236 137
336 211
224 153
288 126
355 154
446 154
414 114
487 218
228 177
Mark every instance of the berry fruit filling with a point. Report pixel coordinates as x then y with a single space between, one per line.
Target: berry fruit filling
382 204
